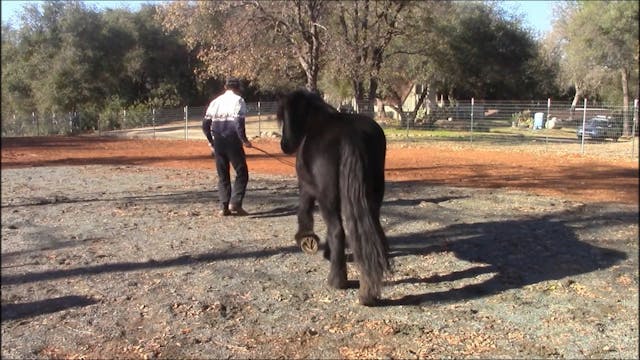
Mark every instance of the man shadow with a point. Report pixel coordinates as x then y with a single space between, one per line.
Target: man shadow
281 211
517 252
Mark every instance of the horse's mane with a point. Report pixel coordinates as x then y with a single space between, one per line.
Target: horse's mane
297 112
311 100
317 102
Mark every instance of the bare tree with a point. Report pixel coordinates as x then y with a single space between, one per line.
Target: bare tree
299 24
362 32
256 40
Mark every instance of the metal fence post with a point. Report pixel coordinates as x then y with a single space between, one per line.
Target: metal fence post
633 127
405 119
153 122
472 103
548 111
259 121
584 121
186 123
35 122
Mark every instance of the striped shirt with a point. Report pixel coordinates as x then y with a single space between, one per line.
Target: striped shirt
227 113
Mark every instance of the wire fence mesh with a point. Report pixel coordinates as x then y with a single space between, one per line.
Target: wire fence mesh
544 125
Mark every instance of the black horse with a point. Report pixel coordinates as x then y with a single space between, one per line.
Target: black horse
340 164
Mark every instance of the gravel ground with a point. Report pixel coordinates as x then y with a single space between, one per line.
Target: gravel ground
106 261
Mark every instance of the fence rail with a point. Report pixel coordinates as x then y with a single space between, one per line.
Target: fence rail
609 130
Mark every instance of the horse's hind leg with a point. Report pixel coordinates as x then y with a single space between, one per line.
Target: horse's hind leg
336 243
305 237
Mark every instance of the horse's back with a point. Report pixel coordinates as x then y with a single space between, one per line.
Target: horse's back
363 128
362 123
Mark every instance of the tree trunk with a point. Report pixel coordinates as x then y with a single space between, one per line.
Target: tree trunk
373 88
625 101
421 99
404 119
371 97
312 78
574 103
409 117
358 89
432 106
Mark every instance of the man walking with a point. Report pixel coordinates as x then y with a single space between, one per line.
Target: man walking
227 114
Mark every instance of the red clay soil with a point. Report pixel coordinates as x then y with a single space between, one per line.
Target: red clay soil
568 176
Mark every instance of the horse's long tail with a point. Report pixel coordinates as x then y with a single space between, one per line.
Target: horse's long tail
360 208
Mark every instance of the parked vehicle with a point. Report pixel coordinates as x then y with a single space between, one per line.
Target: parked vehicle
600 127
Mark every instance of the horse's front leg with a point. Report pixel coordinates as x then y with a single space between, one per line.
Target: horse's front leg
305 237
335 247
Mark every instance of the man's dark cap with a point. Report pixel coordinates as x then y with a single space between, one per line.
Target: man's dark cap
232 82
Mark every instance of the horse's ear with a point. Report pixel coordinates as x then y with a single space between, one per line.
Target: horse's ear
300 104
279 96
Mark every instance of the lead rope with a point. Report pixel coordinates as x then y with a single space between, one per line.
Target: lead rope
275 157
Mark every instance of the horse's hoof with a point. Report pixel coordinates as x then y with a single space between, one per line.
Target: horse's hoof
369 301
339 282
309 243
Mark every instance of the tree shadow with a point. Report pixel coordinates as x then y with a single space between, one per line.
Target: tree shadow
418 202
41 307
182 197
54 245
152 197
517 252
135 266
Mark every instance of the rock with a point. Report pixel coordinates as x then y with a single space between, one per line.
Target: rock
270 134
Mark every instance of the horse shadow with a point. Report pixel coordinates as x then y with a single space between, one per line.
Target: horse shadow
517 252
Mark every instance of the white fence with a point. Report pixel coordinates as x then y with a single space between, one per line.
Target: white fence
546 124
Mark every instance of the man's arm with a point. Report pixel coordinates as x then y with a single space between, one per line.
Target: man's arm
240 123
206 129
242 133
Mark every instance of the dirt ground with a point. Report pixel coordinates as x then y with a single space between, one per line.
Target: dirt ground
111 249
570 176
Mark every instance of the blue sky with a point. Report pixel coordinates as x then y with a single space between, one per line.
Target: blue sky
537 14
12 8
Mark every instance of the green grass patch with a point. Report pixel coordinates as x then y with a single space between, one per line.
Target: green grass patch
437 133
492 134
524 132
